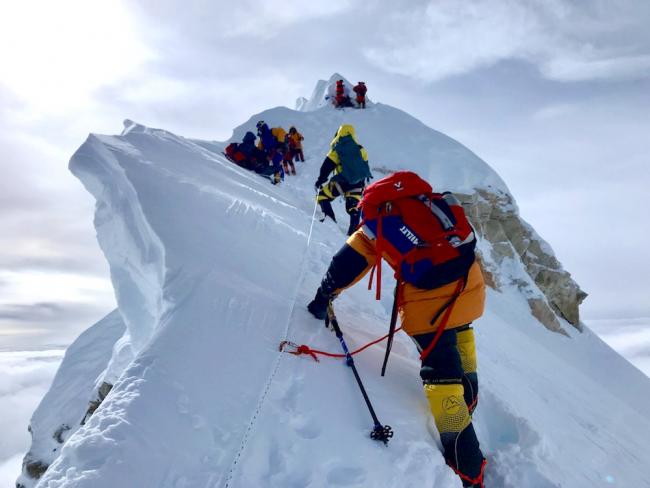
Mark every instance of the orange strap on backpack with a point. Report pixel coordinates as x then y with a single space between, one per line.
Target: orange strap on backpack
377 265
446 309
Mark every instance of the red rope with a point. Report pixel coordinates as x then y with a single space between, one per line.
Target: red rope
478 480
314 353
471 407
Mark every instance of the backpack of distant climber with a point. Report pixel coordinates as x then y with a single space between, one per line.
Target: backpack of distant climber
354 167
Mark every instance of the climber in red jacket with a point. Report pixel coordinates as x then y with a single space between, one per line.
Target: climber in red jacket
360 89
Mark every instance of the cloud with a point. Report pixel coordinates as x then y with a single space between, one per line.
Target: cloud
28 313
38 308
40 50
629 337
24 379
554 111
566 40
269 18
576 69
10 469
210 21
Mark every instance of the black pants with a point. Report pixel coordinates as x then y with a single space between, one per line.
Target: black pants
352 193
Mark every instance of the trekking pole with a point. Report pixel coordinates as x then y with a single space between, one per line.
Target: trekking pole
379 432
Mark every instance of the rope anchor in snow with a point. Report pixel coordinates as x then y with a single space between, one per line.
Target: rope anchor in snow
296 350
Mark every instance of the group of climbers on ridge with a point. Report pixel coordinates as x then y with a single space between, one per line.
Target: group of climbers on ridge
342 97
274 154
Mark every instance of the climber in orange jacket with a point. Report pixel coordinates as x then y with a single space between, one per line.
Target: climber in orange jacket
295 138
427 240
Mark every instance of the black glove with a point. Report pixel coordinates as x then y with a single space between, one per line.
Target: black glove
318 306
319 183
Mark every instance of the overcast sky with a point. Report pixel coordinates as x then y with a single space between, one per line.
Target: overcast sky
553 94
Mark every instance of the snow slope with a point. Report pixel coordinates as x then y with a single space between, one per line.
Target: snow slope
213 266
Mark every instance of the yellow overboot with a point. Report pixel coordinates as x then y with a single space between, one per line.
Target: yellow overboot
448 408
467 350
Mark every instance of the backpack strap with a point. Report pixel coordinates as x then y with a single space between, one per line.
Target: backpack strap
393 322
446 310
446 223
378 256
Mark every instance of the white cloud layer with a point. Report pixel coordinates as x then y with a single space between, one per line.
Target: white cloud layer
567 40
629 337
24 379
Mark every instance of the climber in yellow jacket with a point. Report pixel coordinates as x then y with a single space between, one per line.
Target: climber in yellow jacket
348 160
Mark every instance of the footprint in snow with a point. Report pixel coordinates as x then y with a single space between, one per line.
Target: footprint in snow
512 446
304 427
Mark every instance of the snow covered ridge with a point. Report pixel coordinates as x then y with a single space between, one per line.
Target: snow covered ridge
212 269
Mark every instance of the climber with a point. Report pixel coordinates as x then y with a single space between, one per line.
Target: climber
254 158
361 90
349 162
341 98
440 292
281 137
295 139
269 144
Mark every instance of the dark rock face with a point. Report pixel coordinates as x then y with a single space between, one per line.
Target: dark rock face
34 468
496 219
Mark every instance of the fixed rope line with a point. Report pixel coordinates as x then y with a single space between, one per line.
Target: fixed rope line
276 365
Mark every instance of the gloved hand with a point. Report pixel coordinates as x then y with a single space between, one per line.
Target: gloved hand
318 306
319 183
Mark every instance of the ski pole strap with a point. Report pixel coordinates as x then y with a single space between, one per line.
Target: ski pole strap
445 311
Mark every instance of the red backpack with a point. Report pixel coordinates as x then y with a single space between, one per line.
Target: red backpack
233 153
426 236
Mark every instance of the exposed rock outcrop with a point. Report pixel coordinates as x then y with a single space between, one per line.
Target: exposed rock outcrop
550 290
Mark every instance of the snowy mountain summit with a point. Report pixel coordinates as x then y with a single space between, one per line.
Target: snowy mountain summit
183 385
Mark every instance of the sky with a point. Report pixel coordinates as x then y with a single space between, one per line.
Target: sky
553 94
